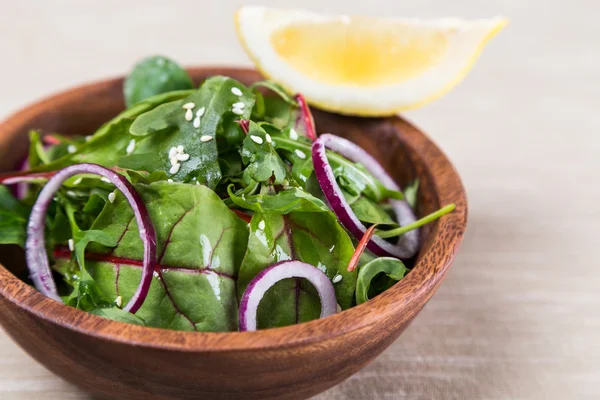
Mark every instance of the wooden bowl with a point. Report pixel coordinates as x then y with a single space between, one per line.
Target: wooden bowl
115 360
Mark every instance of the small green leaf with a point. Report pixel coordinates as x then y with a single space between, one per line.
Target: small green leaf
13 219
377 276
116 314
154 75
410 193
284 202
263 162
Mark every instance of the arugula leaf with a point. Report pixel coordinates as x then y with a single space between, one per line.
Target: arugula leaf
167 126
200 246
13 219
154 75
312 237
378 275
258 153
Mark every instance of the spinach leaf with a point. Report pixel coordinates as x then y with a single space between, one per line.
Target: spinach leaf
116 314
258 153
110 142
312 237
283 202
170 125
378 275
368 211
154 75
200 246
13 219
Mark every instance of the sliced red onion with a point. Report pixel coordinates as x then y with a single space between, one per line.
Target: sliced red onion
275 273
21 188
35 246
408 243
305 119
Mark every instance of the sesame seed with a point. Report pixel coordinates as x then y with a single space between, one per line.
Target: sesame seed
183 157
300 154
200 112
180 148
71 193
196 122
236 91
77 181
174 160
268 137
189 115
188 106
119 301
261 225
172 152
336 278
338 307
111 197
237 111
130 146
293 134
155 274
256 139
88 138
71 244
105 179
175 169
197 183
170 180
239 104
71 148
206 138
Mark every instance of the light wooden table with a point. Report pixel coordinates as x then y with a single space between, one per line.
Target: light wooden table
518 316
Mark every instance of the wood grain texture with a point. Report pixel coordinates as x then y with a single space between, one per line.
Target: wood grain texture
115 360
517 316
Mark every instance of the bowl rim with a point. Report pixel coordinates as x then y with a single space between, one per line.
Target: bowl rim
447 232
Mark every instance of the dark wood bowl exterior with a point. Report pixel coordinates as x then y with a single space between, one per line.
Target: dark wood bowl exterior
115 360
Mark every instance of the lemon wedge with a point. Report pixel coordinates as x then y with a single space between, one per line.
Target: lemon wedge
360 65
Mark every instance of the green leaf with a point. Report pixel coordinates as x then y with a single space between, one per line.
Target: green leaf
13 219
200 246
167 126
116 314
377 276
154 75
312 237
110 142
284 202
410 193
37 154
277 89
263 162
368 211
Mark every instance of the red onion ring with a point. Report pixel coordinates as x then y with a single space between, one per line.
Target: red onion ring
35 246
275 273
408 243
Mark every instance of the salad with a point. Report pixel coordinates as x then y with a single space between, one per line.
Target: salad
215 208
